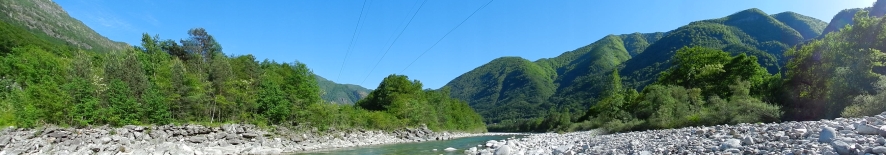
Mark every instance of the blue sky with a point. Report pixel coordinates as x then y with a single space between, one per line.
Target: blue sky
318 32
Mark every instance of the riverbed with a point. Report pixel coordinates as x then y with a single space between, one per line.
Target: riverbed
417 148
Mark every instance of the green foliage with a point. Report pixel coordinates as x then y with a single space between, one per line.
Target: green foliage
340 93
49 22
824 75
164 82
404 103
808 27
678 98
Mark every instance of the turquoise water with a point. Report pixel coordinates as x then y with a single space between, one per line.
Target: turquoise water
417 148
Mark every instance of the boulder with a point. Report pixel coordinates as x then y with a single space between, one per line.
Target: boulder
827 135
879 150
197 139
449 149
249 135
748 140
730 144
841 147
882 131
503 150
865 129
235 142
472 150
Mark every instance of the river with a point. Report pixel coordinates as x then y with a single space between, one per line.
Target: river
416 148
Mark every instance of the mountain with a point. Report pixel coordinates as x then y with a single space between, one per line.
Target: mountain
808 27
750 31
845 17
340 93
48 20
506 87
840 20
513 87
575 79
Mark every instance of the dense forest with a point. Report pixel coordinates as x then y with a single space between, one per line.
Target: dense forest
744 68
191 81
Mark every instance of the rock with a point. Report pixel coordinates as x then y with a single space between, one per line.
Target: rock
882 131
865 129
449 149
503 150
747 140
249 135
197 139
841 147
730 143
221 150
827 135
784 138
471 151
881 140
265 151
106 140
879 150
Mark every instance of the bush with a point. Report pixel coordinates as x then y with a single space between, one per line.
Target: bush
868 104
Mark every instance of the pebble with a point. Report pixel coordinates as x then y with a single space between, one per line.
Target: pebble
826 137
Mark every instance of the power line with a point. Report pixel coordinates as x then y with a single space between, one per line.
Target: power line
395 41
353 38
447 34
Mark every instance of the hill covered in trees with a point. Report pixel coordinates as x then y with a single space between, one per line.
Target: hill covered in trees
47 20
340 93
72 78
753 62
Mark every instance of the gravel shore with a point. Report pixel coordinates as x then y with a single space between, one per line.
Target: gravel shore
197 139
838 136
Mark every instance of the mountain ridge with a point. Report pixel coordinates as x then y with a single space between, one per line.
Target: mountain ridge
581 75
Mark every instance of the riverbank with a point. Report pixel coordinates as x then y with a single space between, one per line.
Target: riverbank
198 139
838 136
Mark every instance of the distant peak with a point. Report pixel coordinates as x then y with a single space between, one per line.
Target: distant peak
786 13
751 11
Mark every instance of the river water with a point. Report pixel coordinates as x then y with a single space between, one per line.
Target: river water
417 148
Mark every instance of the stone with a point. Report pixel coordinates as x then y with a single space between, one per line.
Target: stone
221 150
472 150
784 138
827 135
249 135
449 149
730 143
748 140
503 150
106 140
882 131
265 151
878 150
841 147
881 140
865 129
197 139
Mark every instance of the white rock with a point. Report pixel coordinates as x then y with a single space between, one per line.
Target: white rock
827 135
503 150
730 143
449 149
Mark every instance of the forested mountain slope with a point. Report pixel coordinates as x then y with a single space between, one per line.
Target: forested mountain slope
340 93
48 20
578 78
